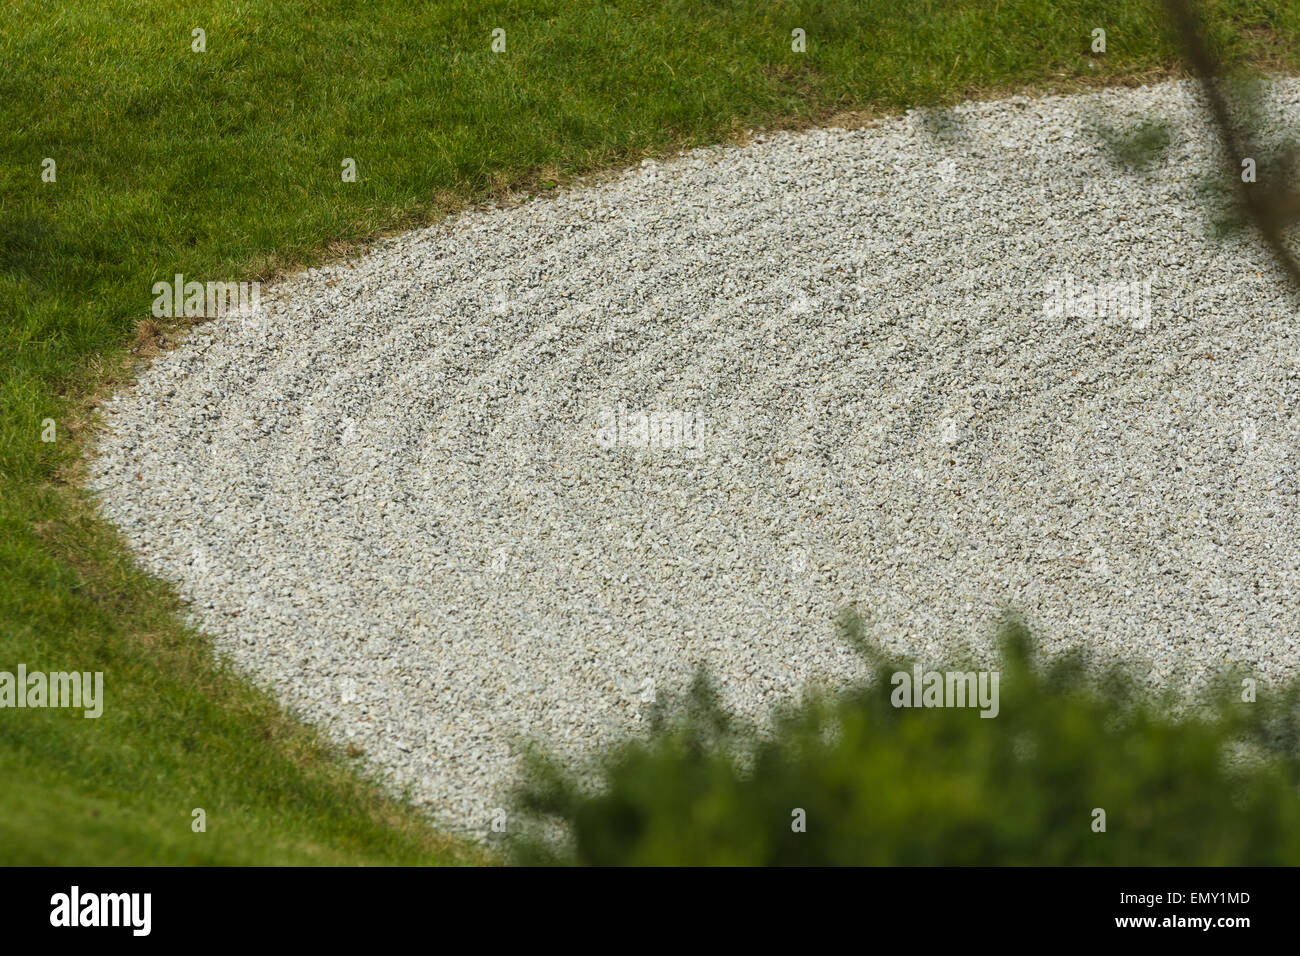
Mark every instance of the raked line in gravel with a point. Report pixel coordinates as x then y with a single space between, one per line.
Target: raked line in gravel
412 493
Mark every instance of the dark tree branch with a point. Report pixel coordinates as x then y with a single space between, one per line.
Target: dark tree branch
1271 209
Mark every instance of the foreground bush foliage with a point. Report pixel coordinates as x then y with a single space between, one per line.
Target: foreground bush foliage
886 785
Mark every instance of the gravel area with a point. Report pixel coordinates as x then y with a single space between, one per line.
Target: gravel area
413 492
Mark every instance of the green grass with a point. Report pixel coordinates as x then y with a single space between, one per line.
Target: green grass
226 165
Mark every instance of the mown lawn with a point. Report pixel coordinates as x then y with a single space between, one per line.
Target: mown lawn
225 165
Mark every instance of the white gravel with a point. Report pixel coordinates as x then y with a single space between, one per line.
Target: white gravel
387 493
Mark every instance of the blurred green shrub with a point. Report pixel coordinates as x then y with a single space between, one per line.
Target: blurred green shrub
884 785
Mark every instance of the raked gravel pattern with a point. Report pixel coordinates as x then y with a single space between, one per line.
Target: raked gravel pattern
387 493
